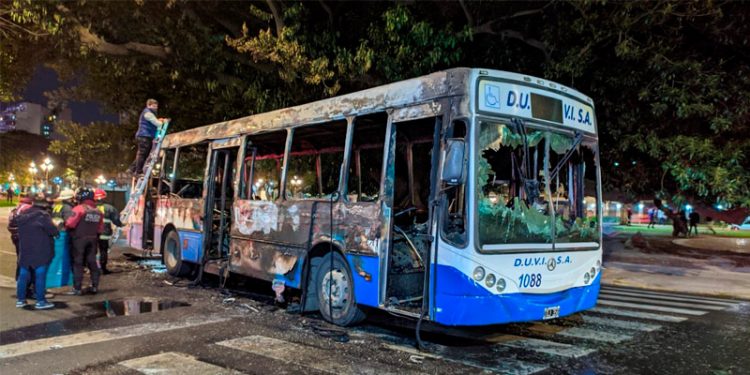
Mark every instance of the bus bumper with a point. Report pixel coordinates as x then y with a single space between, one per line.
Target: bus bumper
464 303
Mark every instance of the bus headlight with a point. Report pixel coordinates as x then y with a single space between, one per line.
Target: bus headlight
593 272
479 273
586 278
500 285
490 281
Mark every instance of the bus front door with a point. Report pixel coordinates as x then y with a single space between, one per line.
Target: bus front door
219 198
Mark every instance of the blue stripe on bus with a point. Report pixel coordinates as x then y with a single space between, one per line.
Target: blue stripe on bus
193 251
462 301
363 268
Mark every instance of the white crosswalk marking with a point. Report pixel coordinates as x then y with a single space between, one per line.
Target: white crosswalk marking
84 338
594 334
624 324
550 347
302 355
676 297
638 314
172 363
699 305
650 307
502 365
667 294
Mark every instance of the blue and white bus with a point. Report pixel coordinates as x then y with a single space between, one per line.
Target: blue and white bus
466 197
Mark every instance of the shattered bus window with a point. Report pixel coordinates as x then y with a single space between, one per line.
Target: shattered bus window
366 165
518 203
264 154
191 166
315 160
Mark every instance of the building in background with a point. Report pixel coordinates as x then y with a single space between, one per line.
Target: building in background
32 118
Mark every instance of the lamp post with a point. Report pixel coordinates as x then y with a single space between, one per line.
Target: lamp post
296 183
33 170
46 167
100 180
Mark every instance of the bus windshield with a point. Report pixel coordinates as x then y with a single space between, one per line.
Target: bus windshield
535 186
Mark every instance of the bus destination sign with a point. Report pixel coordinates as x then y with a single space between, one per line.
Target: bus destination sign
530 102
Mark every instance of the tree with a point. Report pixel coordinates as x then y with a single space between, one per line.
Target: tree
98 148
17 150
670 79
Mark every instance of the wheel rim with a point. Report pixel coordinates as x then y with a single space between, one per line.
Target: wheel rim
338 282
170 257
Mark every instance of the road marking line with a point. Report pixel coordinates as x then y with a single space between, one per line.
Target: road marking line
638 314
301 355
670 298
658 302
595 334
668 294
172 363
550 347
503 365
651 307
625 324
92 337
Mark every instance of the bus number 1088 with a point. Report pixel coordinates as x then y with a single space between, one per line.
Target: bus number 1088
533 280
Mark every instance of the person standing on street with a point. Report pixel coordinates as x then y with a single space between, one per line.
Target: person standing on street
651 218
111 216
10 194
148 125
694 218
23 204
63 208
84 227
35 251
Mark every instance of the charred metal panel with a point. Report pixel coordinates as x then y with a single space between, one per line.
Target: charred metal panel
267 261
182 213
417 112
446 83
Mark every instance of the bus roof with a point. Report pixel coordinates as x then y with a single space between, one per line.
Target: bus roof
398 94
446 83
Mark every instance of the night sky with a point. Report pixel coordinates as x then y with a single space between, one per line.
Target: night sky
45 79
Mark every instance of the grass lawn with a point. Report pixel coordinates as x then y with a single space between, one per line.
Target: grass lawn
666 230
5 203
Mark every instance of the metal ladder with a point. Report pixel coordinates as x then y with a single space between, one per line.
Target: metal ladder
137 189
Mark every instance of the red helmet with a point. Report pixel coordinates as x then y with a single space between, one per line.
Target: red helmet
99 194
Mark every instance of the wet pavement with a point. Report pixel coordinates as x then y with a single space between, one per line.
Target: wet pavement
143 321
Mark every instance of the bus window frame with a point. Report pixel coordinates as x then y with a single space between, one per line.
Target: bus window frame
468 221
529 247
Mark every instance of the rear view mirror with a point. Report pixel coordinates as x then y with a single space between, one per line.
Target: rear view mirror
453 164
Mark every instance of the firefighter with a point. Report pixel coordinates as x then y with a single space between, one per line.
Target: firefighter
111 216
63 208
84 227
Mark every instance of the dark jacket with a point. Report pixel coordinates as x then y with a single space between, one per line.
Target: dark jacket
35 237
60 212
111 216
86 222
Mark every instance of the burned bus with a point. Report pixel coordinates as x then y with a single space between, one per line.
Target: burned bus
464 197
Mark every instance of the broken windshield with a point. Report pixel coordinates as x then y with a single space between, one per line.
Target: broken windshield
518 203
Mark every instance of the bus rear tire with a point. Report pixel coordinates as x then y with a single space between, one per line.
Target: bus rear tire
172 256
345 310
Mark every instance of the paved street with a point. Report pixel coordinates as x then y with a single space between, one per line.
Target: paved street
630 331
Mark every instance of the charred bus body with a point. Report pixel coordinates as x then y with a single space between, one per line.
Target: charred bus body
419 197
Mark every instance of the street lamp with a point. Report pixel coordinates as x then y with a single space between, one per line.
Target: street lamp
100 180
296 183
33 170
46 167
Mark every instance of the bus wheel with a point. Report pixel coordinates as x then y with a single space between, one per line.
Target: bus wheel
172 256
335 292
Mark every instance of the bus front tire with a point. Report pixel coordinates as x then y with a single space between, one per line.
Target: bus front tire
172 256
344 306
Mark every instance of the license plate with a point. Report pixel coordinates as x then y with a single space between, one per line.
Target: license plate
552 312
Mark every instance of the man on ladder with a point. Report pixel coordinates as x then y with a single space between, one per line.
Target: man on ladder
148 124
